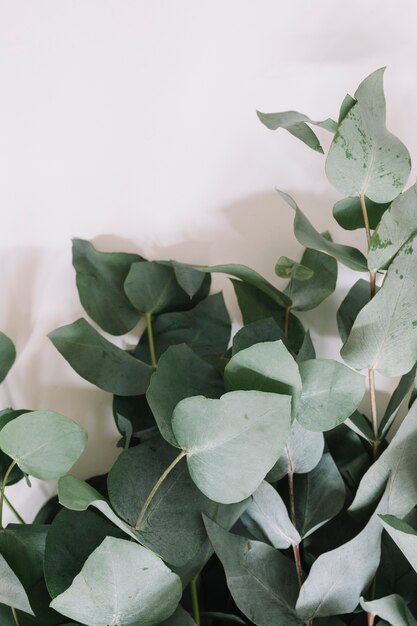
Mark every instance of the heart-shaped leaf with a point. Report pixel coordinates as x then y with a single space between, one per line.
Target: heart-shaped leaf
232 443
113 588
43 444
99 361
364 157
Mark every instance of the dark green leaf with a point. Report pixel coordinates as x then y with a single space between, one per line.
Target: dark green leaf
262 330
364 157
180 374
297 124
348 213
358 296
308 236
100 279
99 361
188 278
7 355
307 296
404 536
403 388
262 581
307 350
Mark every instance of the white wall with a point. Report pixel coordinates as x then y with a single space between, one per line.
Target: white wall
132 123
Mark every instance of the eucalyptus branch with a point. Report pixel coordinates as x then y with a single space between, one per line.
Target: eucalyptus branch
194 600
16 619
13 510
148 317
156 487
3 488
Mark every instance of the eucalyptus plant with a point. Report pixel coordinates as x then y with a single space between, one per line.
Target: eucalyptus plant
256 483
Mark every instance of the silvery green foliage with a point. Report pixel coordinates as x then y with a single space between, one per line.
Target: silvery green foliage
256 483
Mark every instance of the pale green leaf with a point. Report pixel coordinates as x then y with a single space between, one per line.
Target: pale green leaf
43 444
392 608
266 517
404 536
232 443
364 157
330 394
397 226
287 268
100 277
406 383
12 592
262 581
303 451
309 237
99 361
391 346
297 124
113 588
179 618
307 350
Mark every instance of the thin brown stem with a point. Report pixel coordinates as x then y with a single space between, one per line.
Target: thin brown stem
371 619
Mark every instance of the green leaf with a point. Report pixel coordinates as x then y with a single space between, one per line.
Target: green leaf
264 367
348 213
262 581
99 361
320 495
16 474
44 444
308 236
330 394
180 374
172 526
188 278
12 592
297 124
397 225
113 587
250 277
391 347
77 495
71 538
179 618
303 451
255 305
339 577
225 617
358 296
307 350
267 518
234 442
404 536
309 295
397 463
100 279
7 355
392 608
345 107
256 332
152 287
132 416
361 426
364 157
205 328
401 391
286 268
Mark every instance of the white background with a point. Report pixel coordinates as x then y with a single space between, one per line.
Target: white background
132 124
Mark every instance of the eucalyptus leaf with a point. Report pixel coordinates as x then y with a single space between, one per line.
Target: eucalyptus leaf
179 618
391 347
99 361
345 107
310 294
133 416
180 374
398 463
43 444
403 388
287 268
12 592
349 215
267 518
7 355
404 536
113 587
16 473
298 125
303 451
397 226
307 350
266 366
100 279
357 297
320 495
393 609
361 426
330 394
262 581
339 577
152 287
188 278
256 332
364 157
308 236
205 328
235 441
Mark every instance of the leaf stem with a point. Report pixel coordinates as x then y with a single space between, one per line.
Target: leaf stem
16 619
151 341
13 510
365 217
3 487
287 320
194 600
156 487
